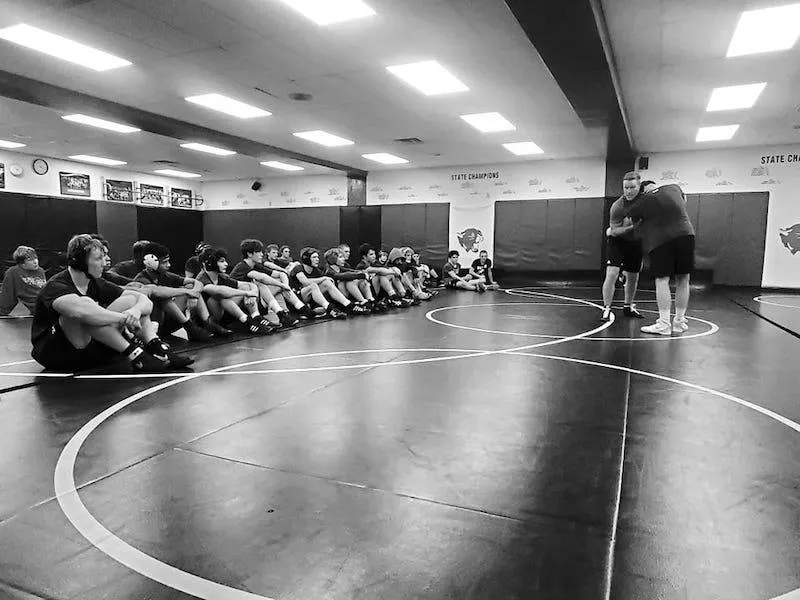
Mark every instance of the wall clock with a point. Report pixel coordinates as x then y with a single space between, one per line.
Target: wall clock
40 166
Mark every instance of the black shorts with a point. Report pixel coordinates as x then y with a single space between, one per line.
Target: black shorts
625 254
676 257
55 352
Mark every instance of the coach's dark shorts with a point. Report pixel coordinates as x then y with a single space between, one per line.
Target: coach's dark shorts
676 257
55 352
625 254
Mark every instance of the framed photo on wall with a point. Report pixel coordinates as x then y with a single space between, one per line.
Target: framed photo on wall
151 195
2 176
181 198
119 191
75 184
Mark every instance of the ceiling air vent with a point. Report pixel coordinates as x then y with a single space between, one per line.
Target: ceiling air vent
301 97
408 140
169 163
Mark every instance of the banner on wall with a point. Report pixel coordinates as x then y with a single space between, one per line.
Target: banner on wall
471 229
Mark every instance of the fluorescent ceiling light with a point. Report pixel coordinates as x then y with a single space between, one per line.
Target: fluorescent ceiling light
488 122
7 144
174 173
710 134
523 148
229 106
324 138
98 160
766 30
60 47
327 12
208 149
385 159
274 164
429 77
102 123
735 96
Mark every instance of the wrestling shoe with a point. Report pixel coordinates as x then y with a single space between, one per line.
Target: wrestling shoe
196 333
680 325
630 311
217 329
287 320
335 313
162 351
658 328
144 362
606 313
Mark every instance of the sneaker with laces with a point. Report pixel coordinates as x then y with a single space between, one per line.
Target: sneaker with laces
630 311
680 325
658 328
606 313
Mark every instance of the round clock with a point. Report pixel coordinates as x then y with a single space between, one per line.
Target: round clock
16 170
40 166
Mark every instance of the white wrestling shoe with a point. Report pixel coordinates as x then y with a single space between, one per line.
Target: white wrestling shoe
658 328
680 325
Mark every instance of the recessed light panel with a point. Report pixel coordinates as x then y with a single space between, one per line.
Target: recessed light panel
328 12
229 106
385 159
523 148
208 149
489 122
735 97
324 138
61 47
429 77
766 30
101 123
7 144
176 173
712 134
274 164
98 160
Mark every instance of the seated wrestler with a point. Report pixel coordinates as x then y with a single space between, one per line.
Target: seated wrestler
382 278
308 279
173 295
353 284
452 278
272 284
481 271
22 282
226 296
79 319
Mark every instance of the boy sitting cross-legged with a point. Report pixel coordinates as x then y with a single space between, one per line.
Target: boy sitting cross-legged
452 279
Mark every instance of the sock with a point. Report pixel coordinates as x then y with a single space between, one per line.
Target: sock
663 315
132 352
243 319
626 305
680 314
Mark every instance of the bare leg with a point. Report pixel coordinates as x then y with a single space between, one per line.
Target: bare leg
333 293
354 290
681 295
312 291
664 298
631 284
278 294
609 285
366 289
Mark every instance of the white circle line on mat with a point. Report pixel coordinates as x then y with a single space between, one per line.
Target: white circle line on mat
106 542
521 293
144 564
760 300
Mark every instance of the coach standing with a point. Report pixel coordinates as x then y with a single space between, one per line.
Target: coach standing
668 236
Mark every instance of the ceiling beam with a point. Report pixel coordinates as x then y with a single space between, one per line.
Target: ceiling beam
64 100
571 38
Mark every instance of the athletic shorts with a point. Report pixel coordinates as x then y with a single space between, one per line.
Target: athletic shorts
55 352
625 254
676 257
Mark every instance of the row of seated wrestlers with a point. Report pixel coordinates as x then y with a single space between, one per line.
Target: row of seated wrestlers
83 319
207 299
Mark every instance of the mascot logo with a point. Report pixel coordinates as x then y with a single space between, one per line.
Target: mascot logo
790 237
470 238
